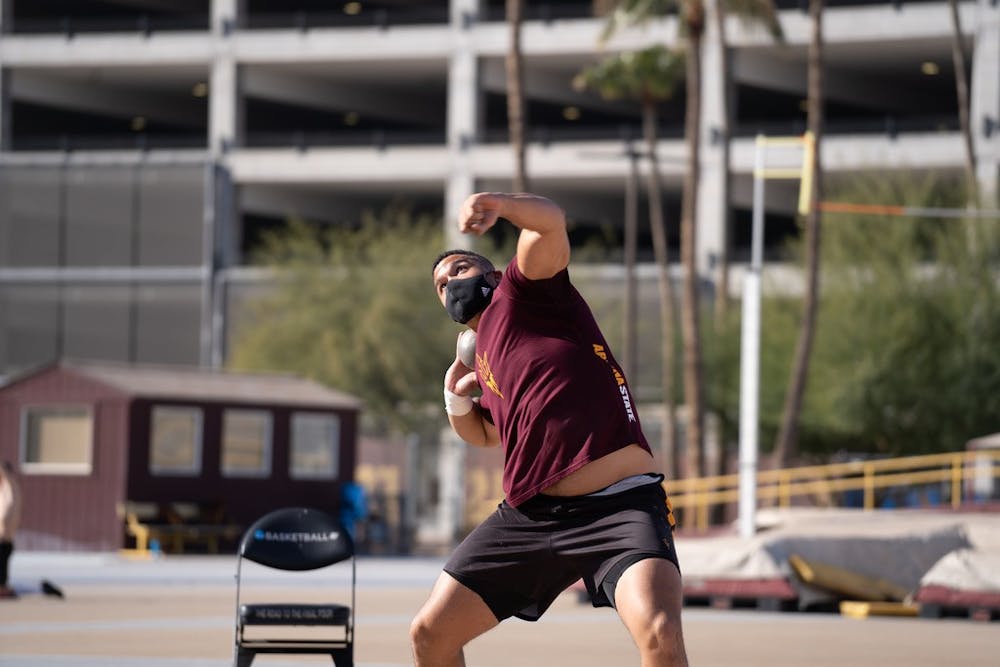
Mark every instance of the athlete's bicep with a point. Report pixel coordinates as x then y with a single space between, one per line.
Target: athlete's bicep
541 255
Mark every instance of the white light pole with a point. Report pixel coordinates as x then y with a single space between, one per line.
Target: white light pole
750 357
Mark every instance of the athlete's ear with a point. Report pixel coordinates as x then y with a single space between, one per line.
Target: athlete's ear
494 277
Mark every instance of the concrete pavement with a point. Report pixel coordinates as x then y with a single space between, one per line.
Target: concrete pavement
178 612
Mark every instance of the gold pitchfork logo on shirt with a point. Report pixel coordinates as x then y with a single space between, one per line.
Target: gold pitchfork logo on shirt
486 374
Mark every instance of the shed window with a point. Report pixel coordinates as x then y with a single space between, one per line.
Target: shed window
246 443
315 446
57 440
175 441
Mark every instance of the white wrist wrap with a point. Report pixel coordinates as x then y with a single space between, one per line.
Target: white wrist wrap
457 405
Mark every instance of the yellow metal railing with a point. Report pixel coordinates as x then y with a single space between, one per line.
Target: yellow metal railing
698 495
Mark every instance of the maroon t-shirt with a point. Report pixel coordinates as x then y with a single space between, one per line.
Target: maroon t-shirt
550 383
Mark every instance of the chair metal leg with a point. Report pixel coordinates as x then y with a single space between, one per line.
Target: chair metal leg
244 657
343 657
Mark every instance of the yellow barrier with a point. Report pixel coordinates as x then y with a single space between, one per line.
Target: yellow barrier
700 494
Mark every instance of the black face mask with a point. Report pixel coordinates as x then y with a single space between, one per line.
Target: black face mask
467 297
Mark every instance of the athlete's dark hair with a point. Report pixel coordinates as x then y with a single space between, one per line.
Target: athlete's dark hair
484 262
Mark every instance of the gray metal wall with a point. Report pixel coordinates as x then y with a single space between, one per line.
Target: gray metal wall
101 262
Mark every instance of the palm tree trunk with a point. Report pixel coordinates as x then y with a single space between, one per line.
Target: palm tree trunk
668 305
962 93
630 347
722 280
603 7
786 444
694 17
515 95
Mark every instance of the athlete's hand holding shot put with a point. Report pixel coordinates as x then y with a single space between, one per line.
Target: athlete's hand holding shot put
583 497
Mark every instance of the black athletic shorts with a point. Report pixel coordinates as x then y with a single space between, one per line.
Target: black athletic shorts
520 559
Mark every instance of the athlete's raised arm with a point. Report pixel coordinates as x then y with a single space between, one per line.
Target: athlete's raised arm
542 246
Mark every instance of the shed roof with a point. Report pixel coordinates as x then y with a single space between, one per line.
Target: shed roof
190 383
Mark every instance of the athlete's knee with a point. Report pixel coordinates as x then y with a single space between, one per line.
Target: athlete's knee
428 638
422 632
660 640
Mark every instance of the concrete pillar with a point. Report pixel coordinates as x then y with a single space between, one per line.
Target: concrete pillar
985 102
451 482
4 83
4 108
463 115
226 16
711 209
221 222
439 487
224 102
462 129
225 123
224 106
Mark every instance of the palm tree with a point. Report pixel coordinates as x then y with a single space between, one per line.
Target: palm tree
786 444
630 346
692 17
722 283
516 122
649 76
762 11
603 7
962 93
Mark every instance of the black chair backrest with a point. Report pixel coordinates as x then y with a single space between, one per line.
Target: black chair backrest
296 538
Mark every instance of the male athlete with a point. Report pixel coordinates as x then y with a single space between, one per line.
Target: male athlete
583 498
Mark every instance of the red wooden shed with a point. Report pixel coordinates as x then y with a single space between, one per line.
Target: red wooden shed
88 439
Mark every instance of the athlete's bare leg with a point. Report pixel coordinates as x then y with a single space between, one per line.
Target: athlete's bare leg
648 598
452 617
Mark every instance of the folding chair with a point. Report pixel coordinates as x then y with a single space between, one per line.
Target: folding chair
295 539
